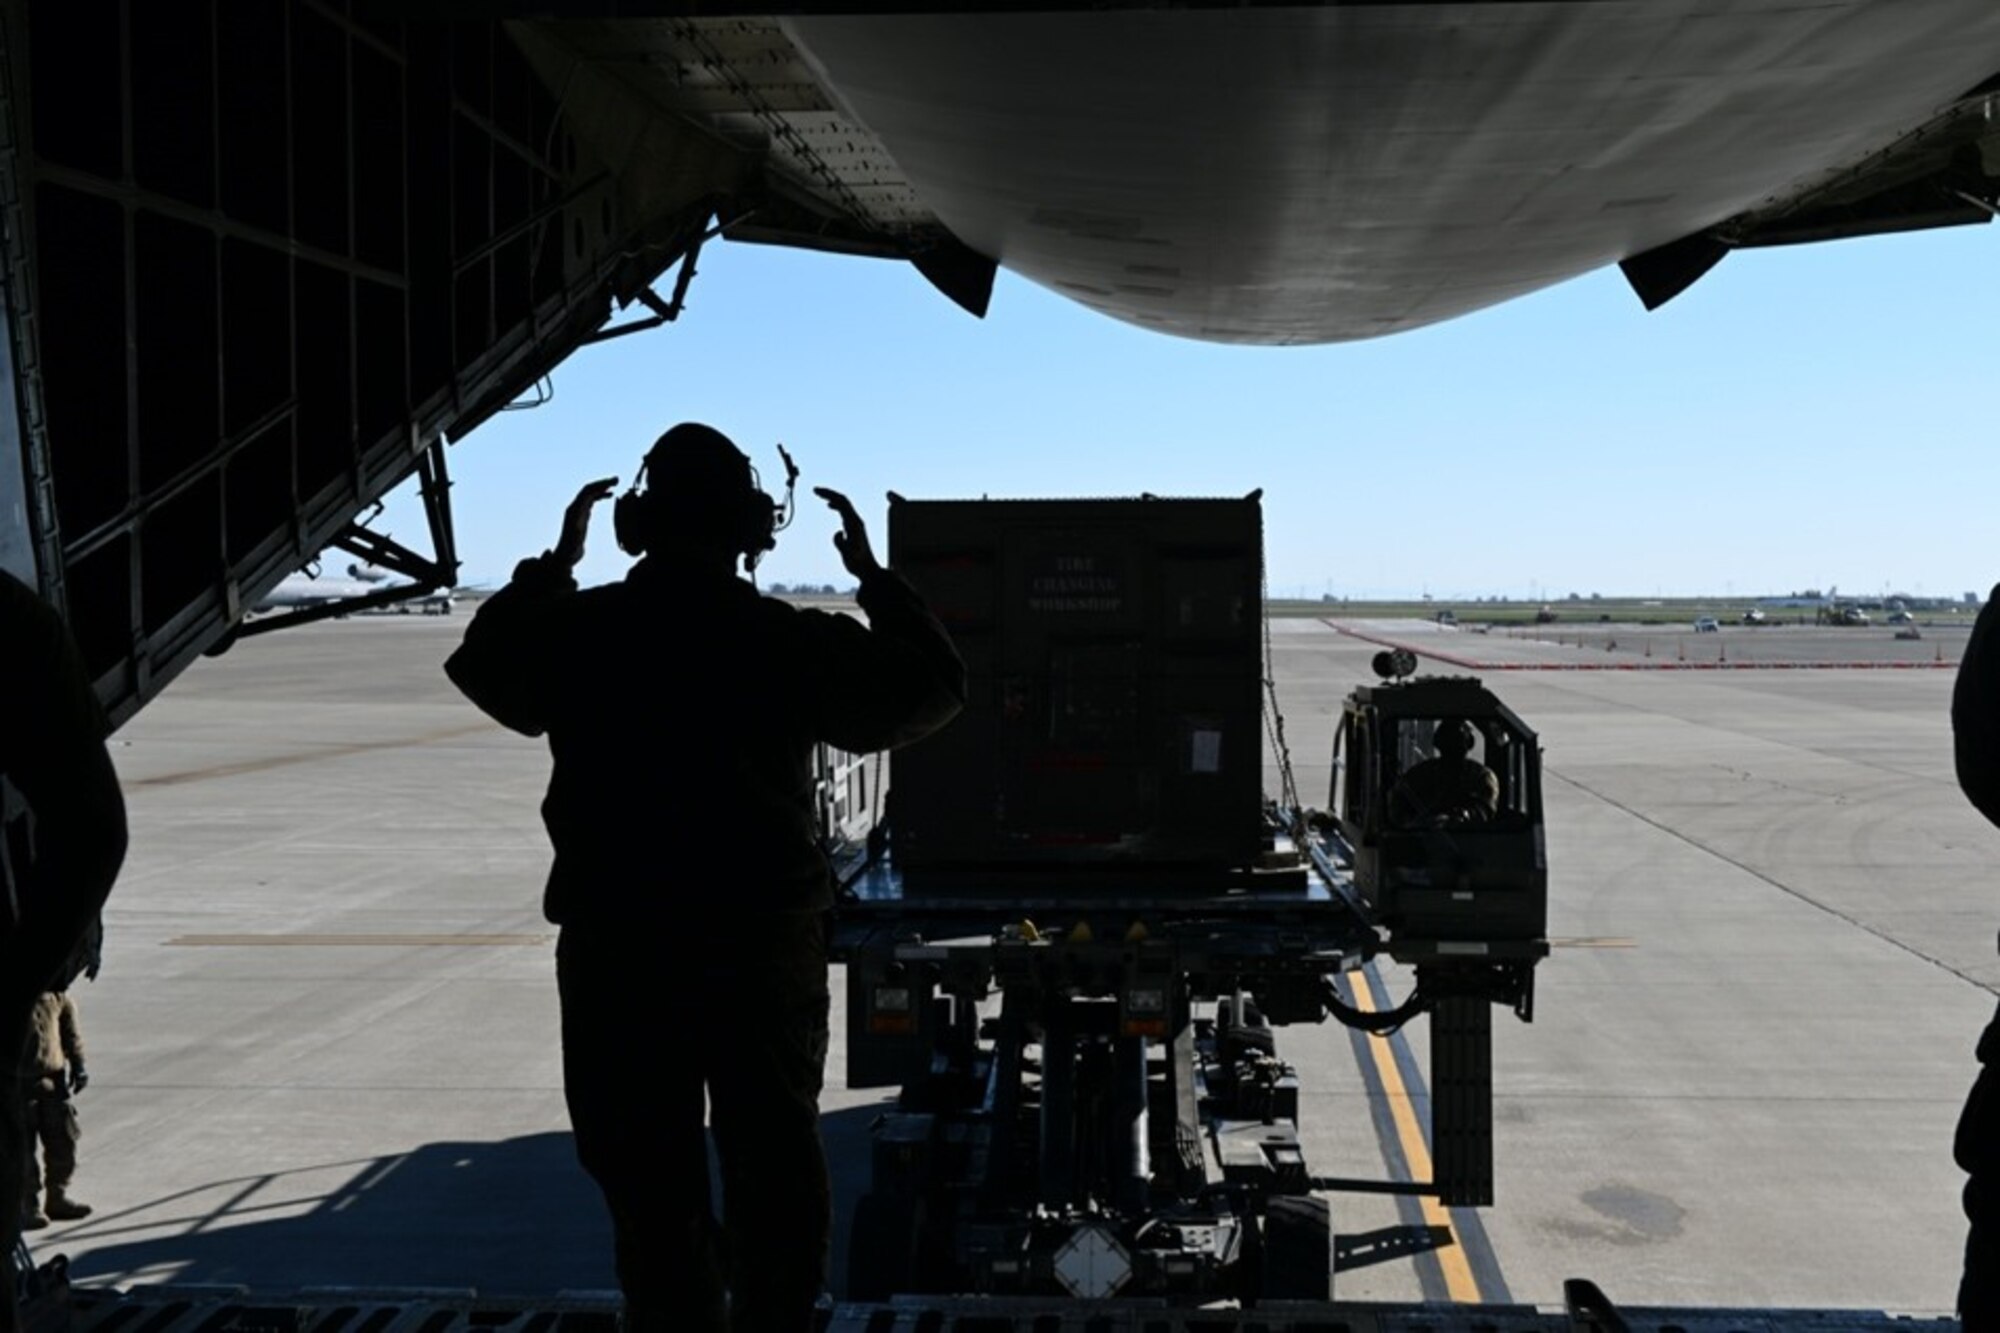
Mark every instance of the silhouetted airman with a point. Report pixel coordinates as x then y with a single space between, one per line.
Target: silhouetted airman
682 710
1975 725
61 844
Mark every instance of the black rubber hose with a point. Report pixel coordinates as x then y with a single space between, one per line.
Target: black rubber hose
1380 1022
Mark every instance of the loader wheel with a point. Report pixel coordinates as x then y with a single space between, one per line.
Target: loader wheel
1297 1257
881 1246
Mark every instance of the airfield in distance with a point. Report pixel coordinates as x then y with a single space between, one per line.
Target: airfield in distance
324 1044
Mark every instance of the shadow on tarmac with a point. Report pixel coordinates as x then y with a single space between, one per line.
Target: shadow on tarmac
504 1218
516 1218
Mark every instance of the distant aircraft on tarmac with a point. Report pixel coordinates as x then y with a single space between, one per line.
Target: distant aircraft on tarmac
305 589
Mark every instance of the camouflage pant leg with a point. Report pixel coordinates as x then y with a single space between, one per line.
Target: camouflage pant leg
53 1122
765 1066
635 1105
737 1009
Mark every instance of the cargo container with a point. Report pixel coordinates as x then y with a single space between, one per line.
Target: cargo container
1112 729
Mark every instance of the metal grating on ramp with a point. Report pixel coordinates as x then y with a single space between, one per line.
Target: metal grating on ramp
971 1316
170 1309
232 1310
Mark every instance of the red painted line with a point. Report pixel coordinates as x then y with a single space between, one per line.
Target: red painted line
1473 664
1446 658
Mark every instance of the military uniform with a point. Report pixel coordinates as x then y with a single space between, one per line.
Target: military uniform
1443 791
1975 725
51 1069
682 710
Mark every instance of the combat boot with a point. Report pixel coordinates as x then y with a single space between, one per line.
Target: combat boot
62 1208
33 1218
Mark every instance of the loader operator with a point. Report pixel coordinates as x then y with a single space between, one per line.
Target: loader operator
1448 789
682 710
1975 725
62 840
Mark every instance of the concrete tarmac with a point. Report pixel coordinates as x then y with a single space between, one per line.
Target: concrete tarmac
324 1047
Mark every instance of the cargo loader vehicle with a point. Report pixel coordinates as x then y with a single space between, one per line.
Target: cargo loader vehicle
1073 940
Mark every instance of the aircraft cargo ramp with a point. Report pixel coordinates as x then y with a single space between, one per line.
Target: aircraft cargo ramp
212 1310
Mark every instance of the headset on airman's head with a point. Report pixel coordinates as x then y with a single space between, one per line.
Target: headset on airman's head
1454 735
748 521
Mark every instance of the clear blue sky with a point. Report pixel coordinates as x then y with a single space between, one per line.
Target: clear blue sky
1801 417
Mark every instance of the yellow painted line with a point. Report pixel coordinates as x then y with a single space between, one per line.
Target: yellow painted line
1459 1283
